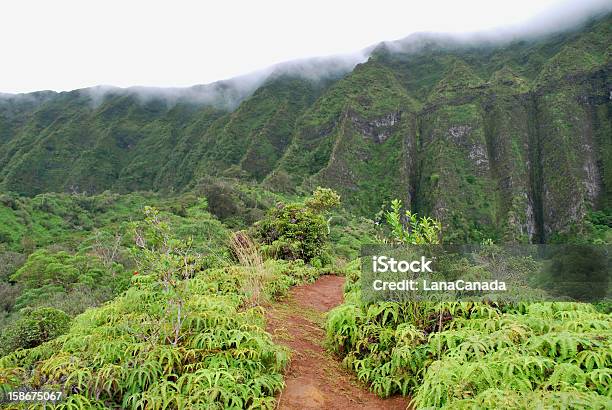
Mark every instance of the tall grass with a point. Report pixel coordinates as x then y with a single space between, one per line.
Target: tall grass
248 254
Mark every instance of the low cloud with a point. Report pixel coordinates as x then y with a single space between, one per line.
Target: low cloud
562 17
227 94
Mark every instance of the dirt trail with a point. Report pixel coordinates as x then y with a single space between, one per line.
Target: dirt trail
315 379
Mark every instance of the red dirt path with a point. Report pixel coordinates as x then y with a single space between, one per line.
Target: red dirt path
315 379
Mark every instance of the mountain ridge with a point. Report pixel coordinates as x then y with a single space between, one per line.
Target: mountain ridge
509 142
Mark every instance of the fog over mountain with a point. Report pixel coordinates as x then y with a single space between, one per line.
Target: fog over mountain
228 93
502 134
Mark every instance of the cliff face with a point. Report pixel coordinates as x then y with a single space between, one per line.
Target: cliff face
509 142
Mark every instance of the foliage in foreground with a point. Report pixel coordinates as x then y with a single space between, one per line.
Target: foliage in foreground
184 335
470 355
474 355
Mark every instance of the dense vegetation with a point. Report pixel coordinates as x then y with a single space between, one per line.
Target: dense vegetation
71 252
469 354
141 239
184 316
505 141
186 327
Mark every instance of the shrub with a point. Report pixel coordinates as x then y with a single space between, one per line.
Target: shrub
298 230
323 200
9 263
234 203
35 326
293 232
46 274
8 295
222 199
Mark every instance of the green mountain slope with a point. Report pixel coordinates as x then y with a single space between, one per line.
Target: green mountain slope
356 138
510 141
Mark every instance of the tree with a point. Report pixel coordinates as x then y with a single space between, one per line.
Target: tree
323 200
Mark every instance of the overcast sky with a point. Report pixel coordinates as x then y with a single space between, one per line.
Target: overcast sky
64 44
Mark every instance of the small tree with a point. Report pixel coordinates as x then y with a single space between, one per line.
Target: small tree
323 200
298 231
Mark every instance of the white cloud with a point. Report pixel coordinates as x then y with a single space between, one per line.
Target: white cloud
64 44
